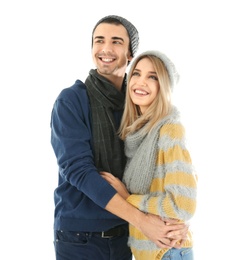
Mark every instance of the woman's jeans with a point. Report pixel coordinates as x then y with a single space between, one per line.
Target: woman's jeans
179 254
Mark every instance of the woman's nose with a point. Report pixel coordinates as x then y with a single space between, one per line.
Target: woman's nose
142 82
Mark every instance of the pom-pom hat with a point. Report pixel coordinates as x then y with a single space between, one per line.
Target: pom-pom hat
131 29
170 67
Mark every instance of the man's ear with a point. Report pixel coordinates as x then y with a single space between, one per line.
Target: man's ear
130 57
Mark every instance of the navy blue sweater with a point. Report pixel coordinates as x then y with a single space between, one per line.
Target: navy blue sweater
82 193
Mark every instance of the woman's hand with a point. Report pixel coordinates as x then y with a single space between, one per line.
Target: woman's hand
116 183
177 237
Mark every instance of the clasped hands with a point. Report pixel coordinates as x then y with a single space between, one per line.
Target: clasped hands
165 233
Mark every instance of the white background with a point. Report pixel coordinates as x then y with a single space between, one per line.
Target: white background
46 45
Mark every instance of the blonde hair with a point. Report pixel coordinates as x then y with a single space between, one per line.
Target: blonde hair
132 119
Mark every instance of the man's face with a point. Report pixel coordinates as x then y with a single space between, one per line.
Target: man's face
110 50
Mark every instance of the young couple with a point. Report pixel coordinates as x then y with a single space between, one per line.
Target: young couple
120 148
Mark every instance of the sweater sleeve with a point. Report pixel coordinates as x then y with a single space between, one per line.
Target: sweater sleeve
174 186
71 142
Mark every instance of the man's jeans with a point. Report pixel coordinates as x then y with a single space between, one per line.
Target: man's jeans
89 246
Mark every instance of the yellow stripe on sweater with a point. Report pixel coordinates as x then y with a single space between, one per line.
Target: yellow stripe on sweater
175 131
184 203
173 154
173 178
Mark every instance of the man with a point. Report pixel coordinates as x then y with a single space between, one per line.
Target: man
90 216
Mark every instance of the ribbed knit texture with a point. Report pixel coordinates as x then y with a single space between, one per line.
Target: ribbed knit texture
172 193
140 150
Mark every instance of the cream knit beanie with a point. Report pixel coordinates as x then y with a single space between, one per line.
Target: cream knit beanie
170 67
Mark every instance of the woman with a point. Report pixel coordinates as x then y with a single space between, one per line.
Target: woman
159 175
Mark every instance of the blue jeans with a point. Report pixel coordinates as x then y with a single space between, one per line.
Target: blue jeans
89 246
179 254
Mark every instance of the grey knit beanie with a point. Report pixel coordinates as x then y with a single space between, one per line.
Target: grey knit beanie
172 72
132 31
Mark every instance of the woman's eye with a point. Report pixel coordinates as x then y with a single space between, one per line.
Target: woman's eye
154 77
135 74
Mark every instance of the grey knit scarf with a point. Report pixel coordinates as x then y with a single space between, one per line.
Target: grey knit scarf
140 150
104 100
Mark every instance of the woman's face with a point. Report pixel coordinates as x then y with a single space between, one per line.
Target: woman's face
144 85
